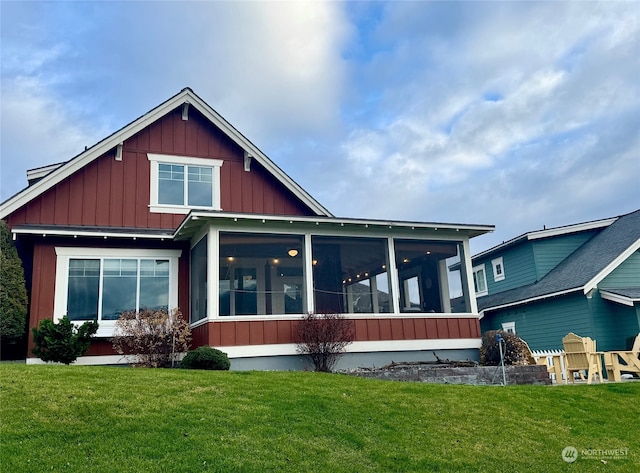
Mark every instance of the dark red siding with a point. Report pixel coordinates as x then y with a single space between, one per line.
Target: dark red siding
44 276
235 333
107 192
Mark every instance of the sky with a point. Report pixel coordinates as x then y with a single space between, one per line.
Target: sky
521 115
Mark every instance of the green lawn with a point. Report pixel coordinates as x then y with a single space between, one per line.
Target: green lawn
98 419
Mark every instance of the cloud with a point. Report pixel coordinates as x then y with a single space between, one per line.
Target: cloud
506 118
517 114
273 70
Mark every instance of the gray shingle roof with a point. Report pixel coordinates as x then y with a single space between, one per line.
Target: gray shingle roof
577 269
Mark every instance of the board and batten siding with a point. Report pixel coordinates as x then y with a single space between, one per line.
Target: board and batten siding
550 252
114 193
43 277
543 324
266 332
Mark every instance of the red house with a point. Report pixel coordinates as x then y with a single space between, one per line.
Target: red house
179 209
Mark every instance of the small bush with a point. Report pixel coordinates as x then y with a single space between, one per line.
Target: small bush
62 342
151 338
516 351
324 338
205 358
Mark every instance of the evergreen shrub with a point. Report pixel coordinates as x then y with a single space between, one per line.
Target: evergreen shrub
205 358
62 342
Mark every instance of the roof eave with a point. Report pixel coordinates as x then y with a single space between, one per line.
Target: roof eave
470 231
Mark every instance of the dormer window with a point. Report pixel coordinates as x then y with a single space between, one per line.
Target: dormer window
180 183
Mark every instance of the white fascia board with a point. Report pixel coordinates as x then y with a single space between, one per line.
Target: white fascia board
527 301
547 233
611 266
465 231
617 298
52 231
39 173
578 227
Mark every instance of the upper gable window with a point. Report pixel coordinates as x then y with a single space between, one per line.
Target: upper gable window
498 269
480 280
180 183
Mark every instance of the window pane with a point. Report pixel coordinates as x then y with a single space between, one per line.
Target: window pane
425 279
84 284
261 274
199 281
154 284
119 287
170 184
200 187
350 275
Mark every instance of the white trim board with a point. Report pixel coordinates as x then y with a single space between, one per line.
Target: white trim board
289 349
618 298
248 351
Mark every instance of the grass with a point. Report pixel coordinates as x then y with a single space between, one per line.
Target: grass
99 419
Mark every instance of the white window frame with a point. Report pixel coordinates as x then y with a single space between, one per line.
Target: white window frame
156 159
498 263
509 327
475 270
64 254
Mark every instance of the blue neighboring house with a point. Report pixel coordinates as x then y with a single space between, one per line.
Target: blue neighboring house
582 278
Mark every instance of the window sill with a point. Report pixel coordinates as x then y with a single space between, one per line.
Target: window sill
177 209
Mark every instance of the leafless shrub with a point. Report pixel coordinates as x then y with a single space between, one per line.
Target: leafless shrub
151 338
324 338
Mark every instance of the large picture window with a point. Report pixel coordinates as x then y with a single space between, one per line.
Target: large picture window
92 284
261 274
350 275
425 282
180 183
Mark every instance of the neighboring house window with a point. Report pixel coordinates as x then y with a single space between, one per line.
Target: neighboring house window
100 284
180 183
509 327
480 280
498 269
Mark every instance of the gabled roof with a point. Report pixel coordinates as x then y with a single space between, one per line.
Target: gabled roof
580 271
60 172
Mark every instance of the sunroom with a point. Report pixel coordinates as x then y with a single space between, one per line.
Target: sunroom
281 267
